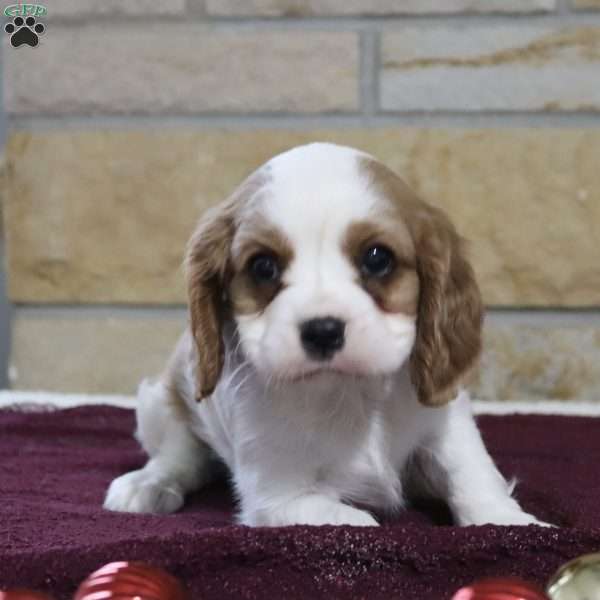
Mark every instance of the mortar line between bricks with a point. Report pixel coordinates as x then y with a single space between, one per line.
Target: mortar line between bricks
133 311
334 24
377 68
368 73
356 22
563 8
441 120
5 307
494 315
194 9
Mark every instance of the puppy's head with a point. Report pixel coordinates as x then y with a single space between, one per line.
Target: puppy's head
327 262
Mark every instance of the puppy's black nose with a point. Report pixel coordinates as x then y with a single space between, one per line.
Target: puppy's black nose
323 337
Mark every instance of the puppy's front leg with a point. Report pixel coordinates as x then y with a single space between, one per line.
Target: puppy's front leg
461 470
179 462
273 497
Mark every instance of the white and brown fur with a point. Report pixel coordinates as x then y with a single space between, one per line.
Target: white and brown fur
308 441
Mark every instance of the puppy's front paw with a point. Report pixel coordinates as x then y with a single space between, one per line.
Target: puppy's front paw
499 516
517 518
309 510
142 492
347 515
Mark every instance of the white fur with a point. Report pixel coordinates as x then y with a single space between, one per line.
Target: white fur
314 193
306 445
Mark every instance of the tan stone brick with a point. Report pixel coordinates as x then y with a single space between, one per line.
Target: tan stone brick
538 363
103 217
182 69
309 8
77 352
503 68
586 4
76 8
95 354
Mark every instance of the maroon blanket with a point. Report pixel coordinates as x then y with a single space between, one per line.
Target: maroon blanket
55 467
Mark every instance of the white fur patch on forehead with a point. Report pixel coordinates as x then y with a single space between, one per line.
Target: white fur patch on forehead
317 185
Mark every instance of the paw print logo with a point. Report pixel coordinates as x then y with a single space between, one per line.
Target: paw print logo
24 31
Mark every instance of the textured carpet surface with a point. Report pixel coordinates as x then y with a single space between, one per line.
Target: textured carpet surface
55 468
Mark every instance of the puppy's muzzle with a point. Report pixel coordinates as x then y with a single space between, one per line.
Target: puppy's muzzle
323 337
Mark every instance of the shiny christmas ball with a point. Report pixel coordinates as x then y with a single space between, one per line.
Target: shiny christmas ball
130 581
579 579
21 594
501 588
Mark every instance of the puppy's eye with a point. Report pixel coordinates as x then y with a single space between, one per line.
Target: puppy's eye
264 268
377 261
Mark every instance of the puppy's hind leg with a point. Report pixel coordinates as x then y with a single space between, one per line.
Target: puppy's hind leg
179 461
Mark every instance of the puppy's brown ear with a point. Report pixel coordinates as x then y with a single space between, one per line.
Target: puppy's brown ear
207 269
450 310
206 265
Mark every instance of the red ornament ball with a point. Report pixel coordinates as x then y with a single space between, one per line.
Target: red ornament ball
501 588
130 581
23 595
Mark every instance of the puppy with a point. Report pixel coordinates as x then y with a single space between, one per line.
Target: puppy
334 317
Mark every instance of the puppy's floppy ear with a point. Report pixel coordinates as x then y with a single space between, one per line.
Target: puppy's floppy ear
207 269
206 266
450 310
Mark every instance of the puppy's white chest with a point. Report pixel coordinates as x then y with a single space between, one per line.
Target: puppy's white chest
370 471
371 474
347 443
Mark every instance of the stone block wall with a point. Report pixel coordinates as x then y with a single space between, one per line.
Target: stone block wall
131 117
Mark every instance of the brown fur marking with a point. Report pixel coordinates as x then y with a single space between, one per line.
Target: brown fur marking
450 310
208 265
248 296
397 292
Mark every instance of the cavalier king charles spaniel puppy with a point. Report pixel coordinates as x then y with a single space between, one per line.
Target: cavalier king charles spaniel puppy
333 320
